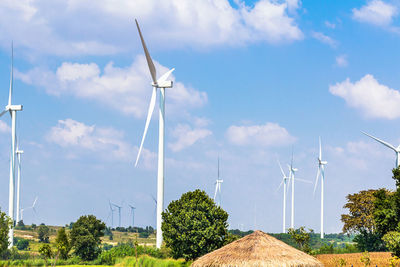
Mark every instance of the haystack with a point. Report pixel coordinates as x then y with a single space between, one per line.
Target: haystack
257 249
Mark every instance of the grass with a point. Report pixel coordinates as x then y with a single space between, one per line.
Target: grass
354 259
147 261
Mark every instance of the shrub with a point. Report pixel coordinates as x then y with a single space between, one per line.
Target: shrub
22 244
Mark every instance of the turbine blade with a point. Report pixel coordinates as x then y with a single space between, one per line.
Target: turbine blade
320 149
11 74
280 166
165 76
149 114
279 186
381 141
302 180
148 58
34 202
316 180
3 112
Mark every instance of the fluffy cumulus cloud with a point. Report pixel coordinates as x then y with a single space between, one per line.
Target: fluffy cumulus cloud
376 12
269 134
106 142
373 99
127 90
186 136
71 27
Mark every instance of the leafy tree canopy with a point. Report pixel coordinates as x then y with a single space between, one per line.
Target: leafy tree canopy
85 236
43 233
62 244
5 224
194 225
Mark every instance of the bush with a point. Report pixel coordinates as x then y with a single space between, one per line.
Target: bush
392 241
22 244
43 233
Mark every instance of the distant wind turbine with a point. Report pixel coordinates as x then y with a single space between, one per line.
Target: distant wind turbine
161 83
18 152
119 213
30 207
133 214
112 213
392 147
12 109
218 188
321 172
285 186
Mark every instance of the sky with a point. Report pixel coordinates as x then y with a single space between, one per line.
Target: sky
253 81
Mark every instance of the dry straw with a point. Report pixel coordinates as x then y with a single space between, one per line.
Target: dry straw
257 249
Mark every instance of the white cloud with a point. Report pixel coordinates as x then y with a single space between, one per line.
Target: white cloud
127 90
376 12
341 61
330 25
71 27
4 128
186 136
105 142
374 100
324 39
269 134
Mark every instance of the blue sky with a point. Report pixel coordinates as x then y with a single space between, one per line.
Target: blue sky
253 79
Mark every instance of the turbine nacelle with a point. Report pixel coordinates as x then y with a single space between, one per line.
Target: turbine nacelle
163 84
14 107
322 162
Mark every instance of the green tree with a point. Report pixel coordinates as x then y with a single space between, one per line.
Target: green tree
22 244
62 244
362 221
43 233
85 236
46 252
392 241
5 224
301 237
194 225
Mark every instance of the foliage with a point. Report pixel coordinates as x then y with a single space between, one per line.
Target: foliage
361 212
22 244
147 261
301 237
62 244
394 261
45 251
392 241
43 233
385 212
365 259
85 236
367 241
339 262
5 224
194 225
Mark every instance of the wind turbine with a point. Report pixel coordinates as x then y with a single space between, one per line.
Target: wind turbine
395 149
119 213
31 207
112 213
133 214
321 172
285 186
292 172
161 83
18 152
12 109
218 188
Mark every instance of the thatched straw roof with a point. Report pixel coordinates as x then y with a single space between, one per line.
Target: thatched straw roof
257 249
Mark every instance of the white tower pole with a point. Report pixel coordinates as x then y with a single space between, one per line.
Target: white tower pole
284 207
292 217
397 159
12 180
322 201
19 152
160 175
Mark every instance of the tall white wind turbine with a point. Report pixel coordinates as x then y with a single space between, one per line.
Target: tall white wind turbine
133 214
112 213
18 152
161 83
12 109
321 172
217 192
392 147
285 185
292 172
119 213
31 207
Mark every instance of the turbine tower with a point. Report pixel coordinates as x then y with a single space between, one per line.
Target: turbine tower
395 149
292 172
218 188
12 109
119 213
161 83
133 214
18 152
112 213
321 172
285 186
